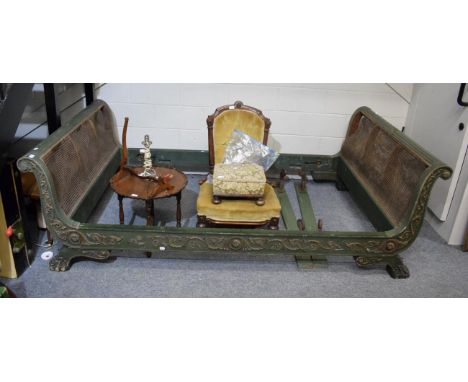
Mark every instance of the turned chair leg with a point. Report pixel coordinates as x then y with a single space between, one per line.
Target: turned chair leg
201 221
274 224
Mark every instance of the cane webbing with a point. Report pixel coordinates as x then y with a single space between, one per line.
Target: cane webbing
77 159
388 169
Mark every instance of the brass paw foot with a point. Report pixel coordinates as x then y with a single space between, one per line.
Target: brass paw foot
393 264
59 264
398 270
64 259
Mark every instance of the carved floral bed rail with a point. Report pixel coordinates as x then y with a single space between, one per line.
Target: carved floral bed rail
387 174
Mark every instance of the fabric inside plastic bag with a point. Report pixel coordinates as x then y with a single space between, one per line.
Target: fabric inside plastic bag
242 148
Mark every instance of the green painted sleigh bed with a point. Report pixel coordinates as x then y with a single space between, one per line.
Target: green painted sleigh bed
388 175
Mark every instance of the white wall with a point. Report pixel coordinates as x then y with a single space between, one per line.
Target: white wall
306 118
433 119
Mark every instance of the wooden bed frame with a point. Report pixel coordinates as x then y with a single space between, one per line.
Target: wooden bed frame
373 149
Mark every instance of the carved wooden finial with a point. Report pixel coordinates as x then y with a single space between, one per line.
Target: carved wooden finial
210 121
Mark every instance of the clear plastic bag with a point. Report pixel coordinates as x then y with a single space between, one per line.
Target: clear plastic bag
242 148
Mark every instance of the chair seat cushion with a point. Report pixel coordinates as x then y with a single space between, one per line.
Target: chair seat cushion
238 210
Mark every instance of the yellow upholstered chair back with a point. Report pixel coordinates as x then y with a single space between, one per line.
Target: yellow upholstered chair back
227 118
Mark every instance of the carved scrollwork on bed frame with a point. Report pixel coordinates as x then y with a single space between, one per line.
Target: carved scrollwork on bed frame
73 235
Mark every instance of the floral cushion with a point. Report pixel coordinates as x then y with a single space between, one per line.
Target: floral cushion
240 180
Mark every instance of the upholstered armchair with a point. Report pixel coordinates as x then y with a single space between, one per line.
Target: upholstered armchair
235 211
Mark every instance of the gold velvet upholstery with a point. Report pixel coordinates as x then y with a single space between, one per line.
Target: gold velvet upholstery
238 210
244 120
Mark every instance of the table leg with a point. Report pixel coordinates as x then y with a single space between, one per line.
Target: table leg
149 216
121 211
179 213
149 212
50 240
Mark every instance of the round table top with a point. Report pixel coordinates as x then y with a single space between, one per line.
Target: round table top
126 183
